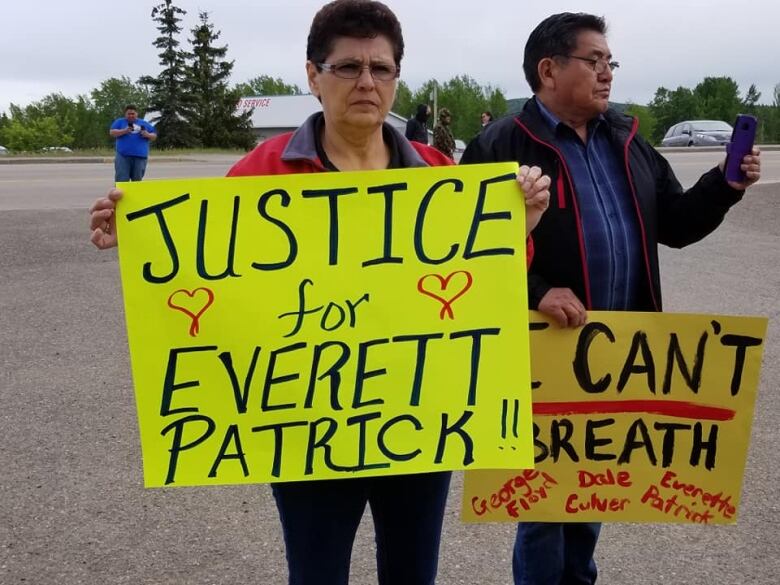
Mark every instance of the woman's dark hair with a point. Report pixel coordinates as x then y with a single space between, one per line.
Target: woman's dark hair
489 115
359 19
556 35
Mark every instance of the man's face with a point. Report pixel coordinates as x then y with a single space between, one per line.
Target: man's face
131 115
578 87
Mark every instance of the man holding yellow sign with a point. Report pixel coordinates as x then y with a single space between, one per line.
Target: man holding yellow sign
616 200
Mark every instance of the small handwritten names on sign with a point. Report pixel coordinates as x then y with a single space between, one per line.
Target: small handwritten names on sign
638 417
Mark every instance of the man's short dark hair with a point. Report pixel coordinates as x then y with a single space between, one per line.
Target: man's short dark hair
359 19
556 35
130 107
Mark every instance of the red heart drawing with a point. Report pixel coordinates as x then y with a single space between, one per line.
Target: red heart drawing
444 281
195 316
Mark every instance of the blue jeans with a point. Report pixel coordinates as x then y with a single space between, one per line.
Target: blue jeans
320 519
549 553
129 168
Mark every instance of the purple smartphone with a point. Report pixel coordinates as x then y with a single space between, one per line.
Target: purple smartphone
741 144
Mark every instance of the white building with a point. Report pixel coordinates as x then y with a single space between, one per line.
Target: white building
277 114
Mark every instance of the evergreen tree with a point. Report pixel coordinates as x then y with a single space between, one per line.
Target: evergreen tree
5 122
212 109
751 98
168 99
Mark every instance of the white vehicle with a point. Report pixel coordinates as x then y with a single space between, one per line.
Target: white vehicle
698 133
3 150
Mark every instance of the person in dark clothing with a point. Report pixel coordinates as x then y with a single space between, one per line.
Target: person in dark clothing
416 128
614 198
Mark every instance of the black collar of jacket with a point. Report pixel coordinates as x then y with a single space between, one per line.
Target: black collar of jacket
620 125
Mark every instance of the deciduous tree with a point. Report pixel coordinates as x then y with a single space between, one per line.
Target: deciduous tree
718 98
670 107
647 121
266 85
403 104
34 134
466 99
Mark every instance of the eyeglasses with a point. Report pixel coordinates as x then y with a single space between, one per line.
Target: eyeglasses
598 65
353 70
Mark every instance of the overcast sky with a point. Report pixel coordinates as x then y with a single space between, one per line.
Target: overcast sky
70 47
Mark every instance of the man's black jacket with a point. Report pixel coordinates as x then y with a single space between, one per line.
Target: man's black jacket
667 214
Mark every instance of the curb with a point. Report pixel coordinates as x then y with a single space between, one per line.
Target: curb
12 160
763 147
42 160
53 160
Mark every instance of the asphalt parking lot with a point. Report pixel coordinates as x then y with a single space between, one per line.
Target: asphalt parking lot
73 508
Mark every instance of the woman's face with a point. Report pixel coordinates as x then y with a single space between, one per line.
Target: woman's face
356 104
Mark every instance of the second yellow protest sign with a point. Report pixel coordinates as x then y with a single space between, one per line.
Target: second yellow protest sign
327 325
638 417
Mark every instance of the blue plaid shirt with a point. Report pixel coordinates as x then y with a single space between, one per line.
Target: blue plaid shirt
609 218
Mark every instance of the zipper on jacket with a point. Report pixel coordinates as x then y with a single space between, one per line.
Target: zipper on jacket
580 235
642 229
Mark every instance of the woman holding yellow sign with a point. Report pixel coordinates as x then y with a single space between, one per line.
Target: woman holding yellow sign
353 63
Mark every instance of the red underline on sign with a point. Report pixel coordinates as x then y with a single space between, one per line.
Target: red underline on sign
671 408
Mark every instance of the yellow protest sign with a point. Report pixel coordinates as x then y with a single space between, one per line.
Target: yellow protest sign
638 417
327 325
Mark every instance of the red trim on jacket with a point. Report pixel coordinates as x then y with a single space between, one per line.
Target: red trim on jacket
632 134
580 235
561 198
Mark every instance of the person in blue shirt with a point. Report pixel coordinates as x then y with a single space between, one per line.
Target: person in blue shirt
132 145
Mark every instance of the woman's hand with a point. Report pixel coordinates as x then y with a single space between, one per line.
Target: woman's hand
102 220
536 188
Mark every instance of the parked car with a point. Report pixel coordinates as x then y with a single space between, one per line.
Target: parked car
3 150
56 149
698 133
